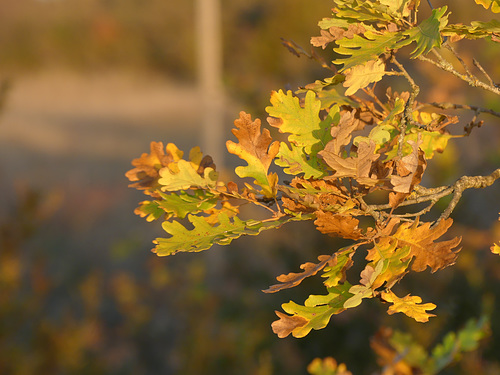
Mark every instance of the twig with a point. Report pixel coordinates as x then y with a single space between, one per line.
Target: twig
468 182
446 66
477 65
435 194
465 66
474 108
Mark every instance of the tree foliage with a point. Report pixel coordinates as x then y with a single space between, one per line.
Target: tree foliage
345 143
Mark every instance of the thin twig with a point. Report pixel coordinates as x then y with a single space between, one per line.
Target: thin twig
465 66
477 65
435 194
474 108
446 66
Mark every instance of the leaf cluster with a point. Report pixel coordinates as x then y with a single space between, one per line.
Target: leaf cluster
341 151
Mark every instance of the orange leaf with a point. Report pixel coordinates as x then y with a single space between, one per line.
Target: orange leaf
253 148
337 225
293 279
408 305
427 252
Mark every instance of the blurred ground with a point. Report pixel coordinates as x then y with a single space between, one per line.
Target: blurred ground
92 83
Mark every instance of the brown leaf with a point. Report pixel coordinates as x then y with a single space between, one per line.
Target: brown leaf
293 279
424 249
337 225
409 169
342 133
323 40
286 324
357 167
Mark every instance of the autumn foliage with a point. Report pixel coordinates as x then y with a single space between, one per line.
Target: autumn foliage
356 158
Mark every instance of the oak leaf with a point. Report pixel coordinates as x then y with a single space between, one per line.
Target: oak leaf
335 271
257 150
338 225
186 176
327 366
409 169
360 76
424 249
306 129
357 167
287 324
204 234
145 175
315 314
293 279
323 40
409 305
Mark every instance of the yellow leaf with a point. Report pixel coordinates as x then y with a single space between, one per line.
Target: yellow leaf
361 76
495 249
408 305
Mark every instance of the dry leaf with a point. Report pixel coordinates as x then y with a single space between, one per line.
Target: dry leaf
337 225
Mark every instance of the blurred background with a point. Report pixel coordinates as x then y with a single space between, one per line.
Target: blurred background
85 86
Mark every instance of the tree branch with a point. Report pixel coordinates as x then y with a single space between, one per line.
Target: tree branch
422 195
467 182
448 67
474 108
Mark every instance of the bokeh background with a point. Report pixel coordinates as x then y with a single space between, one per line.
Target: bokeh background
85 85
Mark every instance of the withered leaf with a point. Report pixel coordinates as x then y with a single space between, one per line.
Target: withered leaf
357 167
293 279
323 40
424 249
342 133
338 225
409 169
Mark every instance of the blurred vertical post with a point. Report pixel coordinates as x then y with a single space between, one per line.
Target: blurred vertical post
211 101
210 78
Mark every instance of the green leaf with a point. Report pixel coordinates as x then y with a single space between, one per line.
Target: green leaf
363 49
149 209
476 30
453 344
181 203
427 34
295 161
336 274
360 76
203 235
317 310
303 123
